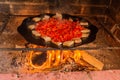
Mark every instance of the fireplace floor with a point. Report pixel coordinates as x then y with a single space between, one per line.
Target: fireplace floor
93 75
14 61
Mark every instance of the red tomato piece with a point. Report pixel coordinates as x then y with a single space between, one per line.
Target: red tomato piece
59 30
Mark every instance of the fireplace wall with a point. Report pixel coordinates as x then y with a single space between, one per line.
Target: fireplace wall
83 7
29 7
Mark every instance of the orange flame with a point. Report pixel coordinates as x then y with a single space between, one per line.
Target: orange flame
56 58
60 60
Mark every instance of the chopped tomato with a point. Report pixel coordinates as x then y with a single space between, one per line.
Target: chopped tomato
59 30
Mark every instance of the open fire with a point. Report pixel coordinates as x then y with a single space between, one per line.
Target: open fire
62 60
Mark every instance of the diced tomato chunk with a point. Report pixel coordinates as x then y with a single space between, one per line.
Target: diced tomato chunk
59 30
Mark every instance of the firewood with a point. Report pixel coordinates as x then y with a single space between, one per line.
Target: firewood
92 60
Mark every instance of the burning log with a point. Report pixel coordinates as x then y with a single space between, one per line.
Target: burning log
92 60
65 60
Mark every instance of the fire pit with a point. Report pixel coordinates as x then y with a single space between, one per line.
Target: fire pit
64 61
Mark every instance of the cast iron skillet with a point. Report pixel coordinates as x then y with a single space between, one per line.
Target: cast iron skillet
26 33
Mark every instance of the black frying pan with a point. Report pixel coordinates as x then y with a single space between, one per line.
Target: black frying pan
27 34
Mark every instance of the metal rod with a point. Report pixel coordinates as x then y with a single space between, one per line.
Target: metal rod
45 49
102 25
107 10
4 23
